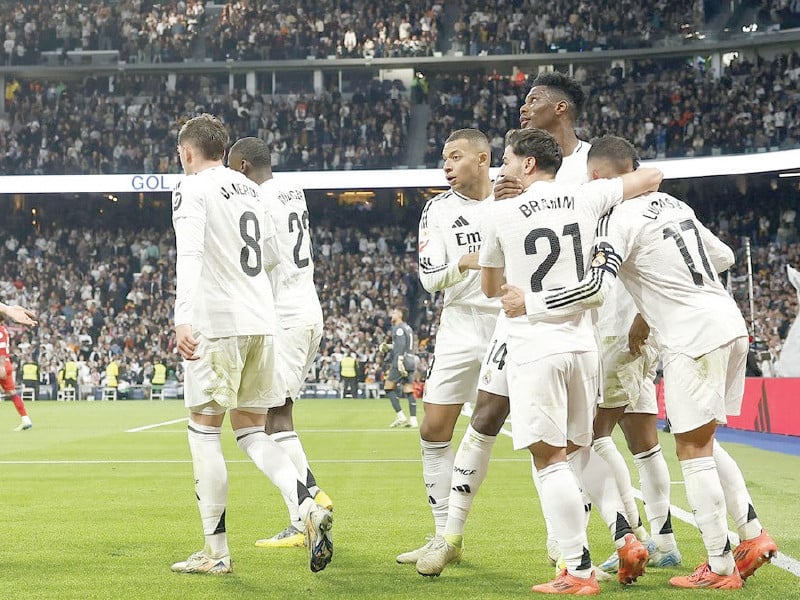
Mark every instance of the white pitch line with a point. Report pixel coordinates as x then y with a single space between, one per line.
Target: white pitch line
172 462
146 427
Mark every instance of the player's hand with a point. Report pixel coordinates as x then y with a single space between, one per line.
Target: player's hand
507 186
513 300
469 262
187 344
638 334
19 314
384 347
401 367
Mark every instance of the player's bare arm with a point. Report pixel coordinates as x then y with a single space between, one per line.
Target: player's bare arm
641 181
492 281
19 314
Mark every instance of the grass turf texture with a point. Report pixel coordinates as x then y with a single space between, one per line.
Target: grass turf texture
90 511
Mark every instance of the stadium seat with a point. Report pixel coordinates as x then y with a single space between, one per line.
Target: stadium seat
68 394
156 392
109 393
28 394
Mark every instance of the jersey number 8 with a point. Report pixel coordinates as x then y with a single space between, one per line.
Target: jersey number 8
250 243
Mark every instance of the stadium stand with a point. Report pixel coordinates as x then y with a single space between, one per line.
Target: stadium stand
668 109
89 122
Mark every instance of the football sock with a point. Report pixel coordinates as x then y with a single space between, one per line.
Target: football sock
412 406
655 484
737 498
26 420
608 451
563 506
470 466
597 481
19 405
537 483
290 442
392 395
707 500
271 460
437 473
211 485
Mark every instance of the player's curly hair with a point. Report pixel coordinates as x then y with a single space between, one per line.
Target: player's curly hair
569 89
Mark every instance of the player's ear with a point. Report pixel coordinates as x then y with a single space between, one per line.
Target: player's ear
529 165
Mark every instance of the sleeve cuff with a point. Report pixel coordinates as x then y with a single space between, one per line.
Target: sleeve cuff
535 306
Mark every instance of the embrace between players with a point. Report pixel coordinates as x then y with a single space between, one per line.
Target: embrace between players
572 354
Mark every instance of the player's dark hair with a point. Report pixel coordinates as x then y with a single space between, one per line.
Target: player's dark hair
254 150
539 144
473 136
207 134
566 86
618 151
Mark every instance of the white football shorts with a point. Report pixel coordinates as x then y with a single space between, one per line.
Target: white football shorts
553 399
628 379
232 372
461 342
296 349
494 377
704 389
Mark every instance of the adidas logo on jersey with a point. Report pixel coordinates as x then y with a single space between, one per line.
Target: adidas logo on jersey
460 222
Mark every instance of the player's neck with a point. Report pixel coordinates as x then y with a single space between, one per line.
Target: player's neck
205 165
480 191
261 177
566 138
535 177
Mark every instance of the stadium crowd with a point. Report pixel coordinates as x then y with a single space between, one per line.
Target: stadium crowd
268 30
53 128
533 26
666 109
142 31
146 31
101 294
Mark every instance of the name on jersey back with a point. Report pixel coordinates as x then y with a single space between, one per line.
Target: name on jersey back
238 189
657 206
532 206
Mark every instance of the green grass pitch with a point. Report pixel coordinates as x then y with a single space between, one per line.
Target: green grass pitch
90 511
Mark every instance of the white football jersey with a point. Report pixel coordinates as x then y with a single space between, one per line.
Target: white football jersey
544 238
615 316
224 243
573 168
449 228
669 263
296 300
